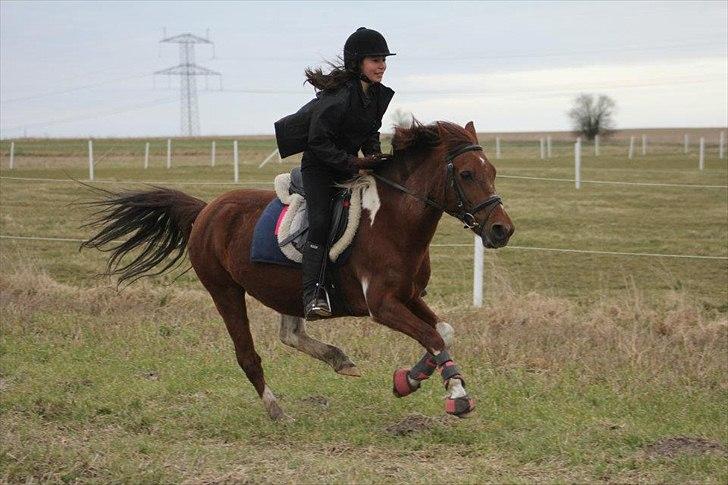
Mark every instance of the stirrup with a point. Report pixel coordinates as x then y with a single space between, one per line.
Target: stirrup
318 307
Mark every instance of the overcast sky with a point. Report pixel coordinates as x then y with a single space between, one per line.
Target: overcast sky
85 68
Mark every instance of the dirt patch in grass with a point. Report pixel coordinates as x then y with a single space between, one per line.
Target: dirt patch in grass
414 423
316 401
672 447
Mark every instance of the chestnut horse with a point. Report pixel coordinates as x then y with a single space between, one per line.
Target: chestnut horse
436 169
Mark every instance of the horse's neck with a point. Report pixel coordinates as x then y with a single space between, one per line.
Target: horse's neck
416 222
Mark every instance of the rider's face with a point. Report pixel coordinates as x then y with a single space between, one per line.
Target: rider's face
374 67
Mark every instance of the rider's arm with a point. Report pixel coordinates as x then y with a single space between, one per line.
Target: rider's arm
371 145
327 115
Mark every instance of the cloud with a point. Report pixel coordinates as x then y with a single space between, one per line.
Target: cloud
675 93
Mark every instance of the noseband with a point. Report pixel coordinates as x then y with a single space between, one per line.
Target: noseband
464 211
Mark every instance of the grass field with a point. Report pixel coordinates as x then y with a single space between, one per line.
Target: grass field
584 367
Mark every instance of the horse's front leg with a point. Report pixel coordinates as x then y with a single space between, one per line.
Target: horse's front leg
394 313
408 380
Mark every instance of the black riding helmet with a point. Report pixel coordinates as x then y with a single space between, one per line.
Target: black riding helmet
364 42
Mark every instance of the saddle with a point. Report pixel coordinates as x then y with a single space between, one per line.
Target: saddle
292 226
282 228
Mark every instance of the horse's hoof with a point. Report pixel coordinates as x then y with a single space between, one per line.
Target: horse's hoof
350 371
460 407
276 413
401 384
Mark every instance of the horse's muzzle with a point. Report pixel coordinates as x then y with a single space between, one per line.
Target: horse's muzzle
497 235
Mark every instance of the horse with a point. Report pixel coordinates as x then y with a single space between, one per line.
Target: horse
435 169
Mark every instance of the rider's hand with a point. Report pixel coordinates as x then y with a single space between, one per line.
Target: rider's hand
370 162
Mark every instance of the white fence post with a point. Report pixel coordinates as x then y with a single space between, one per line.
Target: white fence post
686 142
212 155
497 148
721 146
236 170
542 148
577 163
631 147
146 155
596 145
169 153
701 162
12 154
644 144
478 258
548 146
90 160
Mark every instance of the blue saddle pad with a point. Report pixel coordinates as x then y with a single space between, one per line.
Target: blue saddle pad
265 243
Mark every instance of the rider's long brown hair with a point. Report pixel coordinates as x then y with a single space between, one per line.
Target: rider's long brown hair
334 79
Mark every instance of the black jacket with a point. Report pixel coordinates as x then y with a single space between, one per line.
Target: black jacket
335 125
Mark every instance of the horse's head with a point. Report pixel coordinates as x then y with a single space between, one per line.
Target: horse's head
463 181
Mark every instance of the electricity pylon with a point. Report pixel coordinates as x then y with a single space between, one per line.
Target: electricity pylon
187 70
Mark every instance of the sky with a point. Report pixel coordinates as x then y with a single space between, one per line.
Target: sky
86 68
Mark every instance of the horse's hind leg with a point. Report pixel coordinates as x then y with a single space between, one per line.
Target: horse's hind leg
293 333
230 302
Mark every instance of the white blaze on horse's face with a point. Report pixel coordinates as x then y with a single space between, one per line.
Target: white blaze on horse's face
476 175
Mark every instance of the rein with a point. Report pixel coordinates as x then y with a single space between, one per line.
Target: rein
465 210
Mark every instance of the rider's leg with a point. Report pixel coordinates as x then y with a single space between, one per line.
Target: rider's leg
318 184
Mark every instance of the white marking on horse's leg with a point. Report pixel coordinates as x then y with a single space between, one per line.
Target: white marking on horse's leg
364 288
271 405
370 201
290 330
268 396
293 333
455 388
446 332
454 385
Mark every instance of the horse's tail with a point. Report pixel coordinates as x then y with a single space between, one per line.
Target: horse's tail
158 222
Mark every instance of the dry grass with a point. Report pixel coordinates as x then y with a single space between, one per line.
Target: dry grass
677 339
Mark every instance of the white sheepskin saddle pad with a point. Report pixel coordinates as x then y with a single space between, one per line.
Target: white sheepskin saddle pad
296 215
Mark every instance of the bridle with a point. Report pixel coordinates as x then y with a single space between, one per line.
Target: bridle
464 211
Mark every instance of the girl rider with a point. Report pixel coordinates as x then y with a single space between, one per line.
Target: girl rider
344 118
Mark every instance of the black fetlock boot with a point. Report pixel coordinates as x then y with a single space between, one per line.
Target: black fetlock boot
315 299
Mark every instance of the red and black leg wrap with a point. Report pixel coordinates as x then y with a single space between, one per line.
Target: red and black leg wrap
402 378
459 406
448 369
424 368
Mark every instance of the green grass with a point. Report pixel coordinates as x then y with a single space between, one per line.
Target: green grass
578 362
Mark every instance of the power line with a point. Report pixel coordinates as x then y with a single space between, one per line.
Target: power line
513 92
512 55
100 114
70 90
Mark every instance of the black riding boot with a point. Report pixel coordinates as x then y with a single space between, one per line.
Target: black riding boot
315 300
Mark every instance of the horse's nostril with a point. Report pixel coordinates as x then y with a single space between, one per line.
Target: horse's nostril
499 232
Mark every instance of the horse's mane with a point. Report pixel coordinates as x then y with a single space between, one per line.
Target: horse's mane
419 137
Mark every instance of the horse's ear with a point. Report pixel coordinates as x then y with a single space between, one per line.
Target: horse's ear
470 128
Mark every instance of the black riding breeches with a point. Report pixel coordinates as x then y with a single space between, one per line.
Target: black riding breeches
318 182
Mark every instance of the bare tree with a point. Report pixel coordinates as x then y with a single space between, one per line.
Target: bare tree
590 118
401 118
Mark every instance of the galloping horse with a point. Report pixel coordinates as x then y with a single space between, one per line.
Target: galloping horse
436 169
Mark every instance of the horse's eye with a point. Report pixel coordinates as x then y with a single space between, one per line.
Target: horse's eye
467 175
